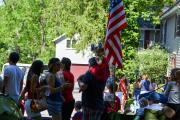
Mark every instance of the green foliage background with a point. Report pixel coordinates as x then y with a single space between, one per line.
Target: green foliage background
151 62
29 26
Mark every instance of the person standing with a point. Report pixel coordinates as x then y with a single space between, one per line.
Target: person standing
13 77
32 86
55 98
124 86
92 93
173 93
69 102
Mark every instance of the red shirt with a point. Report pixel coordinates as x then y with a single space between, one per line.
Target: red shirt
101 72
67 93
114 107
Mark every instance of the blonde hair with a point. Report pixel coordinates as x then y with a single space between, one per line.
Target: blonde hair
144 77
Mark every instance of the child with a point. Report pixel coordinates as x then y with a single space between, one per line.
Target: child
78 114
143 102
113 106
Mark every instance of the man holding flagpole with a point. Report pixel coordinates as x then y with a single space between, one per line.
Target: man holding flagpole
92 83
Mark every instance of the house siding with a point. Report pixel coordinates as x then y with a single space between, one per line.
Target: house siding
76 58
171 42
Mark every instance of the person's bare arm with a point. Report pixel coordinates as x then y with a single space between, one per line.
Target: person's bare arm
82 86
51 84
34 84
140 85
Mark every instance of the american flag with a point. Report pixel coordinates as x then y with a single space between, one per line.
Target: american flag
116 23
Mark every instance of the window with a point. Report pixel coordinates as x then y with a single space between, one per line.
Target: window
71 43
177 26
68 44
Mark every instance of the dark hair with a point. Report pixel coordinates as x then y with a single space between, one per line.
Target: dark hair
92 62
110 86
173 73
14 57
36 68
66 62
52 62
78 105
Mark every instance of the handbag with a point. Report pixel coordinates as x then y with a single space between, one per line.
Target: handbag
38 105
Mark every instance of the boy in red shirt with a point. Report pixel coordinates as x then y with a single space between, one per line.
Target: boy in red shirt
113 106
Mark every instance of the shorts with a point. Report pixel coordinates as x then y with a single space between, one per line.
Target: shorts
28 110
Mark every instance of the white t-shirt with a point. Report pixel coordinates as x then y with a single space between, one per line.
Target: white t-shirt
156 107
15 75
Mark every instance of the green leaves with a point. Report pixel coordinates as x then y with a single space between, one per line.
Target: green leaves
152 62
31 25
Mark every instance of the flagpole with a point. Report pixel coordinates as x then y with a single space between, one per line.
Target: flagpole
114 81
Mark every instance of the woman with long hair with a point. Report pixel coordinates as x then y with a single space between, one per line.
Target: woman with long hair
32 87
55 98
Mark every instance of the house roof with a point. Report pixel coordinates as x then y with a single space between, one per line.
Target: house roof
60 38
170 11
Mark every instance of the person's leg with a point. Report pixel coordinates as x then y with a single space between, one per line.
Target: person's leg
89 114
85 114
57 117
67 110
98 115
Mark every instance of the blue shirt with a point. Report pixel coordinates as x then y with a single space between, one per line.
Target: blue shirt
110 81
15 75
58 95
145 85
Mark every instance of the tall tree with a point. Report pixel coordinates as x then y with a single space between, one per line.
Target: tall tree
29 26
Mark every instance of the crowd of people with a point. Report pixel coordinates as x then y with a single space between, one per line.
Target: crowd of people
100 93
